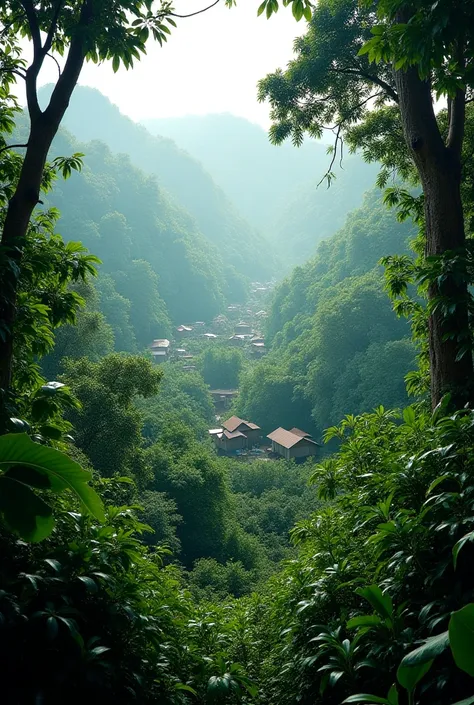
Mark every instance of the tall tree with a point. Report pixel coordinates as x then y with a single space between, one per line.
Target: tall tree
371 73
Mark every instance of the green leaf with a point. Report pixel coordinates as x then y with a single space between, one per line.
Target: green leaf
51 628
393 695
467 701
381 602
461 638
465 539
367 620
409 415
262 7
115 63
409 676
50 431
23 511
17 449
187 688
433 647
29 476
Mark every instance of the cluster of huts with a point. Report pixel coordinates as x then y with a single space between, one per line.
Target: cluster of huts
237 435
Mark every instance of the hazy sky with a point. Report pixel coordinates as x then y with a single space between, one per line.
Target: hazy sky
211 63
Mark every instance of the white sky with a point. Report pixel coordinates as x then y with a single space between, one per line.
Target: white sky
211 64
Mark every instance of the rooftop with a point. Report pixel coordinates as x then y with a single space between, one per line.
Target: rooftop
234 422
288 439
160 343
299 432
234 434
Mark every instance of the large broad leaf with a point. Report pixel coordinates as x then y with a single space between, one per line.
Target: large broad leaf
20 457
381 602
409 676
219 687
462 542
366 621
428 651
461 638
23 511
467 701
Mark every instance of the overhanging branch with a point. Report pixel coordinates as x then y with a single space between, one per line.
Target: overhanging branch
198 12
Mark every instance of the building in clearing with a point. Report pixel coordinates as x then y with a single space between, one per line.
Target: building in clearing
294 444
160 349
252 432
235 434
229 441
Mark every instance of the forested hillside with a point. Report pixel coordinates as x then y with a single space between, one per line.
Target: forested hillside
336 345
91 116
247 511
276 189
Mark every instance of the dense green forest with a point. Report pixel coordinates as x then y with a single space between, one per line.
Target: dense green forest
144 560
336 345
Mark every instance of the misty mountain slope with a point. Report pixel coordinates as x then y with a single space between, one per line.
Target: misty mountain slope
274 187
317 211
152 252
237 153
92 116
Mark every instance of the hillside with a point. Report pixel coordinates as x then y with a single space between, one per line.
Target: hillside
238 155
158 269
275 188
336 345
91 116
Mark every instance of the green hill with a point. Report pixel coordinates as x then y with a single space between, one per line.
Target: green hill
91 116
336 346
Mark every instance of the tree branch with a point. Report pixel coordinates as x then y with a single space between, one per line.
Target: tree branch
327 175
16 71
373 79
192 14
56 61
12 146
33 25
52 28
67 81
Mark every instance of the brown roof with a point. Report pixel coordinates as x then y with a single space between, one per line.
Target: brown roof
287 439
234 422
299 432
235 434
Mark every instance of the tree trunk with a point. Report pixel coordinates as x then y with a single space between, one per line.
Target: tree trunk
439 167
44 126
18 216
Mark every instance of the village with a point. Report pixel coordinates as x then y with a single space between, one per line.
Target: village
245 439
241 326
